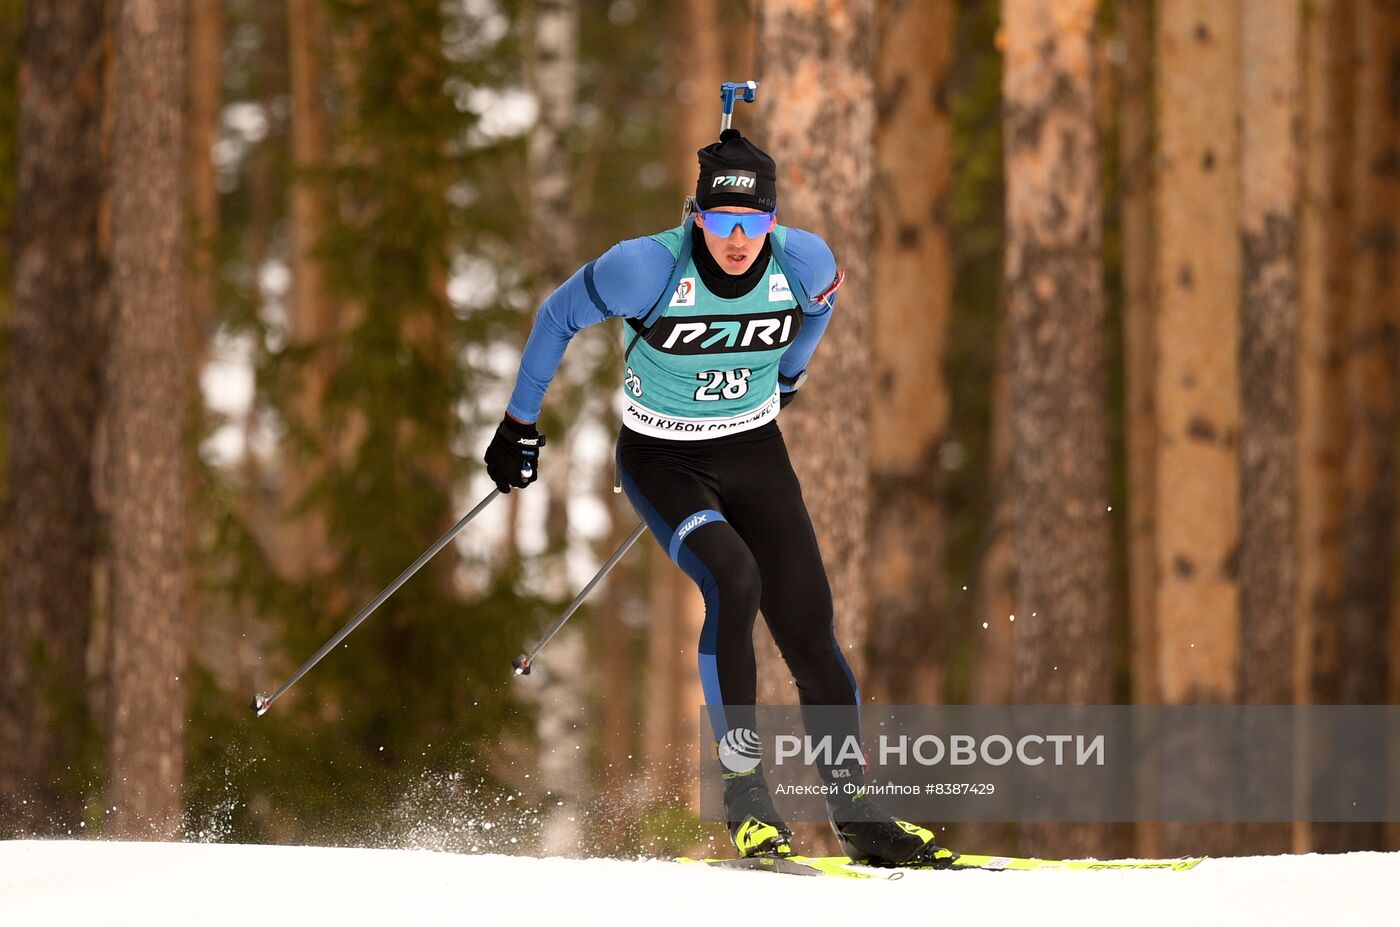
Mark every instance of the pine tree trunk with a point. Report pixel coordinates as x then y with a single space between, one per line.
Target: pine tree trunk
697 68
1055 308
1371 369
1197 371
1372 327
551 67
1384 236
1137 180
1269 185
995 677
1139 328
304 544
913 290
54 360
551 70
205 108
146 388
818 113
552 76
1324 296
1197 334
1270 108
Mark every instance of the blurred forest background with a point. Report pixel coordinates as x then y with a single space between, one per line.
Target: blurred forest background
1107 412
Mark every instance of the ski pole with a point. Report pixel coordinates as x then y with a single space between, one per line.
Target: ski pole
261 703
523 662
728 91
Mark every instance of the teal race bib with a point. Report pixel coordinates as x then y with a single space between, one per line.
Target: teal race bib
708 366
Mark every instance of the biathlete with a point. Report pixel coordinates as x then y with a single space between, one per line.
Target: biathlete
724 313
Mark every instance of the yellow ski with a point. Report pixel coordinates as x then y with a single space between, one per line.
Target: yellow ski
841 867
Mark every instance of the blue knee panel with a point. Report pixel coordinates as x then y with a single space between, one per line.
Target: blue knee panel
709 588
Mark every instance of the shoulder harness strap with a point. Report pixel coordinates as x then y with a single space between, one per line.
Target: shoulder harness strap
648 323
799 291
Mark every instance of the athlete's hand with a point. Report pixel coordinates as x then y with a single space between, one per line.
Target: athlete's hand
513 457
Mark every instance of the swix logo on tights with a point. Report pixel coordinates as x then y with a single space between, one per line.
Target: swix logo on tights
691 525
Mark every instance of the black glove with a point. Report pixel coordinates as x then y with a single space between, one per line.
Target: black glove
513 457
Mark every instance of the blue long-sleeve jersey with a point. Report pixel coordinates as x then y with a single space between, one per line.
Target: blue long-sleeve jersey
628 280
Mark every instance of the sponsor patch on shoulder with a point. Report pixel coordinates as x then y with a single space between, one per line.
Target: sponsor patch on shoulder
685 293
778 289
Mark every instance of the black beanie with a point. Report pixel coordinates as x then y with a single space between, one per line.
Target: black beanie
736 172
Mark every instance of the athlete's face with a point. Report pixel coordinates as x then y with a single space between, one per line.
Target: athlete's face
736 253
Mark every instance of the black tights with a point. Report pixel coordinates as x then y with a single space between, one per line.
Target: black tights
729 512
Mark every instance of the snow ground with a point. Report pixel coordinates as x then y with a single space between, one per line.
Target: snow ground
95 882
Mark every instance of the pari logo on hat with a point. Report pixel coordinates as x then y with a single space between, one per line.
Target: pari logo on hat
736 172
735 180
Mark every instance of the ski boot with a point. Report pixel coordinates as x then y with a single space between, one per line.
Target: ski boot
754 824
872 836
